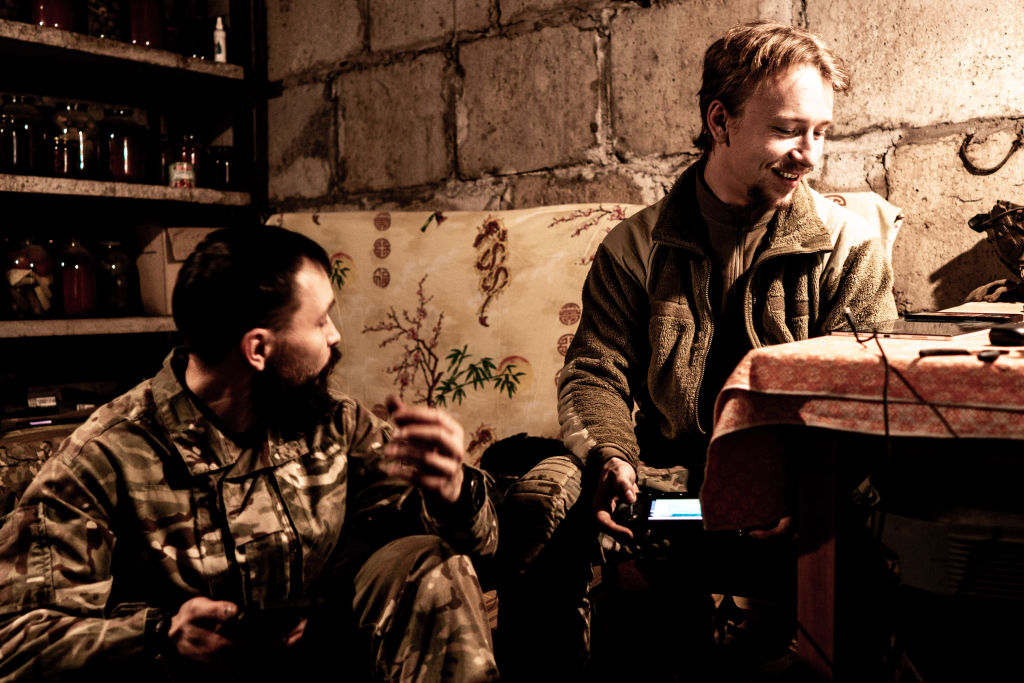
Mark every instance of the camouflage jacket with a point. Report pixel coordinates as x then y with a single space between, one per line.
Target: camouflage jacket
148 504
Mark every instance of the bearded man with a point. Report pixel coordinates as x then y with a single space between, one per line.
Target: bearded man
231 519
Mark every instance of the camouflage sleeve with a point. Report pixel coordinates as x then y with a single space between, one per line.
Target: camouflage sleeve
55 578
393 507
472 526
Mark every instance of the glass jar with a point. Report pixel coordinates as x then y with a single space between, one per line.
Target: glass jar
76 143
29 277
24 135
221 162
8 143
123 147
116 281
78 279
147 23
186 165
62 14
107 18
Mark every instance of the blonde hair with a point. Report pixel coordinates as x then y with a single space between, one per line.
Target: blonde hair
754 53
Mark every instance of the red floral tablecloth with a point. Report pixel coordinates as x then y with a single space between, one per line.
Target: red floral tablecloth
839 384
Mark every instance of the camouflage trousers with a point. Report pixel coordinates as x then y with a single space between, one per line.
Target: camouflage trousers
549 545
419 606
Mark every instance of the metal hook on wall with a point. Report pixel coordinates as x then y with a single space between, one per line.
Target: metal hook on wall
975 170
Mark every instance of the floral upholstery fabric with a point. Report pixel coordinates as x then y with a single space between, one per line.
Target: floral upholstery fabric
471 311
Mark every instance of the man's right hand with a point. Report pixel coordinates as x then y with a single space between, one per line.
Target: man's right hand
616 484
196 630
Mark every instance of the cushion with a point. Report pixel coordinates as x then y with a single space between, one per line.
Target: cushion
467 310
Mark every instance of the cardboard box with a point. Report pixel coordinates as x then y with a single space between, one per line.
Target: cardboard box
163 250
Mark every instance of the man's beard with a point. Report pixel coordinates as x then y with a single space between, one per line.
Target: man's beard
283 400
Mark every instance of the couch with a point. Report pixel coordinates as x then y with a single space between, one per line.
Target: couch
473 311
468 310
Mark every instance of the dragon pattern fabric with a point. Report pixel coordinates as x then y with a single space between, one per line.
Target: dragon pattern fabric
149 504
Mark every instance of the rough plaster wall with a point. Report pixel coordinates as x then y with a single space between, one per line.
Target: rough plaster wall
488 104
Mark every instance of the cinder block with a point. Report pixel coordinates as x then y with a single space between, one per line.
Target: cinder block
917 63
528 102
301 35
406 25
391 124
855 164
546 189
937 258
298 147
511 10
656 62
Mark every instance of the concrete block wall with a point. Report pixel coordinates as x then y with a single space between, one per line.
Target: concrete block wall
477 104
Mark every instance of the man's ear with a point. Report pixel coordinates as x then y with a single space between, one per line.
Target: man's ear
257 345
718 122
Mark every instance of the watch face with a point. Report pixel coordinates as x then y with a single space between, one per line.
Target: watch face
477 489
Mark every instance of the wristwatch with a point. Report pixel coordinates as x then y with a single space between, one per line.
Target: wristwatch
473 494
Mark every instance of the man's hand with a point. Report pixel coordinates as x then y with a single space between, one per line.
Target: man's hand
196 630
616 484
208 631
427 449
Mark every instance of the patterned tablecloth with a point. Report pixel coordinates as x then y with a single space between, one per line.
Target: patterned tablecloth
839 384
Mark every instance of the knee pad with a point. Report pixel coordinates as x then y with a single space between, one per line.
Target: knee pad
536 505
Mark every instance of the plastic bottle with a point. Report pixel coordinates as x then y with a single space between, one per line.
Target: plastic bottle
220 41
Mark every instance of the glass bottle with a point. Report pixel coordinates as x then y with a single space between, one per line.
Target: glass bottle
116 281
123 148
29 277
78 276
25 132
75 143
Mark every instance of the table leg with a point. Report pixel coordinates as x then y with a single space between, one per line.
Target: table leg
816 562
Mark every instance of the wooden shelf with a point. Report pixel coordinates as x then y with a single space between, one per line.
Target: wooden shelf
37 40
12 329
96 188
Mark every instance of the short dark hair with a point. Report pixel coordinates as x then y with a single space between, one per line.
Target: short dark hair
238 279
751 54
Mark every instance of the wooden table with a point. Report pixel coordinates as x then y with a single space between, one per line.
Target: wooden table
804 397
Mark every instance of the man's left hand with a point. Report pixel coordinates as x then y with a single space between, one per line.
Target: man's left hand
427 449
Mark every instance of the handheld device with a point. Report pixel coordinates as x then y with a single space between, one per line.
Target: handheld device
656 517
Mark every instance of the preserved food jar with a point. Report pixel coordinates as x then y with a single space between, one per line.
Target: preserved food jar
75 143
186 164
62 14
78 279
124 146
24 135
107 18
221 162
116 281
29 276
147 23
